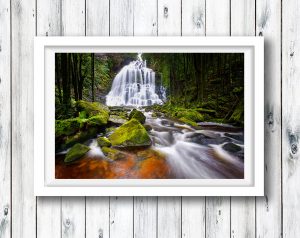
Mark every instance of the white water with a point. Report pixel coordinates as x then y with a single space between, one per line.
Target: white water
134 86
192 160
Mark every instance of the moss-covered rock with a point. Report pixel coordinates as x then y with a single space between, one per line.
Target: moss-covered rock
92 108
116 120
130 134
98 120
190 114
80 136
113 153
67 127
76 152
138 115
103 142
188 121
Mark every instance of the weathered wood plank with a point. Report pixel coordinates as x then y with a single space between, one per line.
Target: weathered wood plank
145 17
218 208
169 217
145 217
193 217
73 217
23 201
97 18
73 208
73 17
169 17
121 217
193 208
97 217
121 17
290 117
242 208
48 208
193 18
218 17
145 208
5 120
268 208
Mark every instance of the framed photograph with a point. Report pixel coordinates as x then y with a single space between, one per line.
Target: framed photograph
149 116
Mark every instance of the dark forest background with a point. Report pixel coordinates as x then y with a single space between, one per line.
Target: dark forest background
211 82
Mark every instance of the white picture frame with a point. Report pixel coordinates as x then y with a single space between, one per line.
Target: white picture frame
45 183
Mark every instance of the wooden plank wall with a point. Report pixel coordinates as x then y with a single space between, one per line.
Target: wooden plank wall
274 215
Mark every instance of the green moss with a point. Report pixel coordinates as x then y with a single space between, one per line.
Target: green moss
138 115
67 127
98 120
238 114
188 121
80 136
113 154
76 152
189 114
82 115
92 108
103 141
132 133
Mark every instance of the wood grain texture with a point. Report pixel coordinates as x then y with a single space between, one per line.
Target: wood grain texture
121 17
97 18
242 208
23 201
169 217
193 217
145 217
169 17
73 17
121 217
73 217
193 18
290 117
145 17
218 208
48 23
5 120
268 208
97 217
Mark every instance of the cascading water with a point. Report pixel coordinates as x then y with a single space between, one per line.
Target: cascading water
134 86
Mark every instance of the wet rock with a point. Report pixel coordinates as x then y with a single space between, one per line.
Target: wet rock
239 137
147 127
130 134
113 153
202 139
231 147
116 120
138 115
76 152
103 141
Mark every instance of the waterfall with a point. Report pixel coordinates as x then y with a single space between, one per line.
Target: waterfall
134 86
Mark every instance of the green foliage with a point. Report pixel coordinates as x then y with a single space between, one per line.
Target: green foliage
188 121
103 142
238 114
132 133
76 152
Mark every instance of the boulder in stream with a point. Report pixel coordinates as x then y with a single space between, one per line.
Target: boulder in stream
103 141
130 134
76 152
138 115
